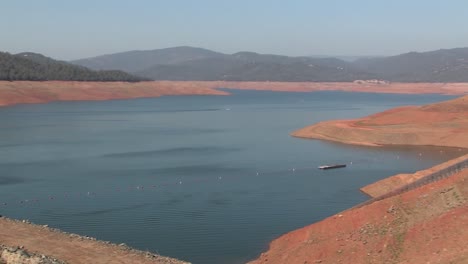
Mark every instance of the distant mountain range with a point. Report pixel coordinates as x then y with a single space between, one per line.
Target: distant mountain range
197 64
188 63
36 67
445 65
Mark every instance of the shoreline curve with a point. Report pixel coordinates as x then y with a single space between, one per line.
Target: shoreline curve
27 92
393 229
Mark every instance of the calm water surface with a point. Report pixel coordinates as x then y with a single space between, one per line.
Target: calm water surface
208 179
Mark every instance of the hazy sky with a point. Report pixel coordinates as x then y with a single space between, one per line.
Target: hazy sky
71 29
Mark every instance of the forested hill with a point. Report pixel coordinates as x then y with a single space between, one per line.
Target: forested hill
36 67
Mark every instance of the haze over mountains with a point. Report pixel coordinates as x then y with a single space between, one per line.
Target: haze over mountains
445 65
188 63
197 64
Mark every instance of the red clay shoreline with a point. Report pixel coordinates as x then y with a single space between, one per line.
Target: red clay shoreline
441 124
424 225
71 248
23 92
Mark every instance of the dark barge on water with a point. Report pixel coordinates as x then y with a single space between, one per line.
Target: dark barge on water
336 166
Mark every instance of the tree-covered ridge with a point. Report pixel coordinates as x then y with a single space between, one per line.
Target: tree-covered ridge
36 67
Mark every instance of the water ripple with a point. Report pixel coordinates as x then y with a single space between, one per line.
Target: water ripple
172 151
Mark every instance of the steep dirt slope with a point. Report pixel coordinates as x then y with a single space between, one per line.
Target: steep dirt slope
425 225
391 183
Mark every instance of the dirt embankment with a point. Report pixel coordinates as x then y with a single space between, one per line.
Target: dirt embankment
42 92
424 225
392 183
440 124
70 248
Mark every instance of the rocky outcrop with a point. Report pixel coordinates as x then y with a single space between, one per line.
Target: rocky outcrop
19 255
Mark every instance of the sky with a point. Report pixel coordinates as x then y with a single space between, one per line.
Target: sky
73 29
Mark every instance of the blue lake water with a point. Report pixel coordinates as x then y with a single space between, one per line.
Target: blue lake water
207 179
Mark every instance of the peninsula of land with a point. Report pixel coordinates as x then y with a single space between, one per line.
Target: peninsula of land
442 124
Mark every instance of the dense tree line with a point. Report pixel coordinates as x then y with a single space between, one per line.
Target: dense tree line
36 67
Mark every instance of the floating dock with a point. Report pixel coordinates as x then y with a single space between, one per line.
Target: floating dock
336 166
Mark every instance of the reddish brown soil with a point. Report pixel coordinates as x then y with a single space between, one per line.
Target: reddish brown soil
391 183
71 248
441 124
41 92
401 88
425 225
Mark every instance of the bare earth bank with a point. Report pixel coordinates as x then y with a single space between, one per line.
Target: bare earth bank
441 124
389 184
42 92
69 248
424 225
